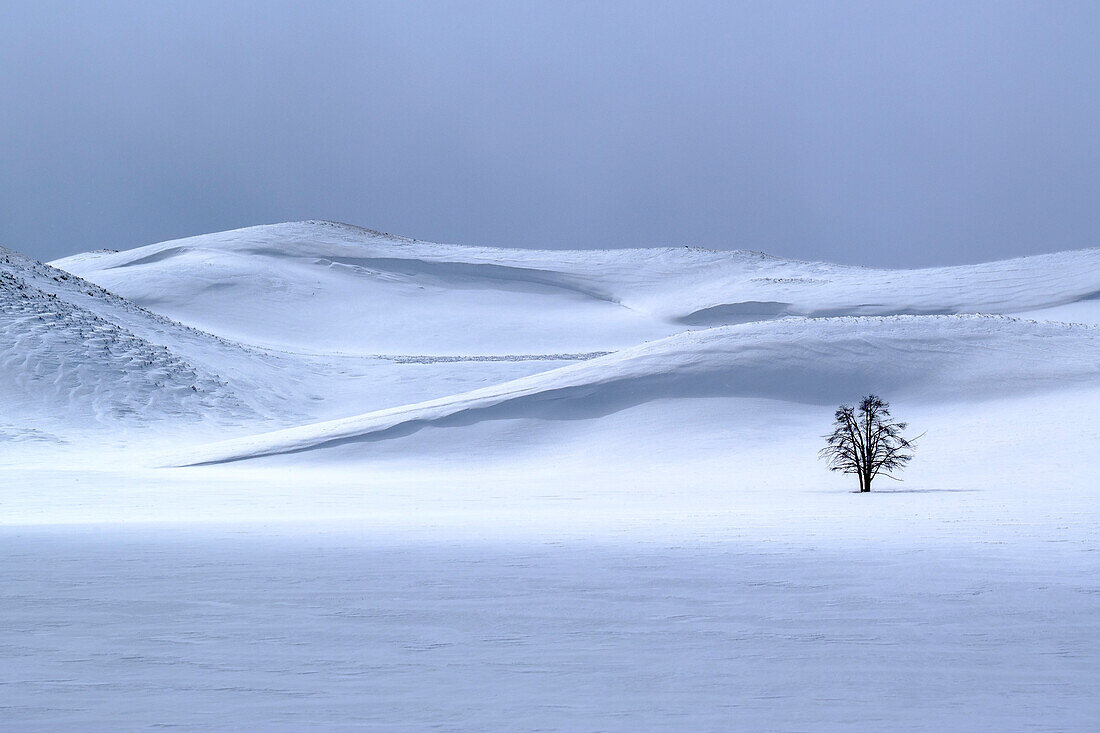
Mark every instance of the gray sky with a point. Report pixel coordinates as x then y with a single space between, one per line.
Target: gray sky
876 133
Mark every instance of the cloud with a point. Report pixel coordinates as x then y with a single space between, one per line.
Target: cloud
858 132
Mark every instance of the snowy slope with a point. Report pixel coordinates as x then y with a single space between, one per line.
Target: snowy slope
818 361
331 288
358 335
74 355
77 359
521 490
324 287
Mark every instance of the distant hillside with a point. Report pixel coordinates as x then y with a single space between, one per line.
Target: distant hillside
324 287
77 356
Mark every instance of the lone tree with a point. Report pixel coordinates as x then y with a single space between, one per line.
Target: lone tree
866 441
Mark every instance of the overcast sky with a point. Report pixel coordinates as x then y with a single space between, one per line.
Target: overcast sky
876 133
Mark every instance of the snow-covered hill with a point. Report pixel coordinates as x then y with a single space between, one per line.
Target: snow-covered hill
376 403
78 361
324 287
330 334
74 355
815 361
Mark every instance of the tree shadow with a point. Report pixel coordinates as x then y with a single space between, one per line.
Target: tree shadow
922 491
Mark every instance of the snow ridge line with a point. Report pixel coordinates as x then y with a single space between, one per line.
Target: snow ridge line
807 360
76 285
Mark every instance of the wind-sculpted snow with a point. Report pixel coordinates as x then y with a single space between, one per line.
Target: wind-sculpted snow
348 320
331 287
74 357
72 354
569 471
819 361
326 288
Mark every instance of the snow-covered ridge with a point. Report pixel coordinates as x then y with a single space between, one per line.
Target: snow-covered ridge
818 361
74 354
328 287
331 334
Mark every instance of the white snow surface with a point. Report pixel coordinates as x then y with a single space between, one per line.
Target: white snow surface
310 475
819 361
332 287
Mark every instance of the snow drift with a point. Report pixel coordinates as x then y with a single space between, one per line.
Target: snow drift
293 337
553 479
74 354
818 361
319 286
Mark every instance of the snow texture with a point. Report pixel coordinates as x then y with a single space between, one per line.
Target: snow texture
311 475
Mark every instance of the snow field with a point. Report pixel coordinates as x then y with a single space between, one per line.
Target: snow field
214 629
466 488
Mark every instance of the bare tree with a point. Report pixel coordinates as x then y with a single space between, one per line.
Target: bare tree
866 441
